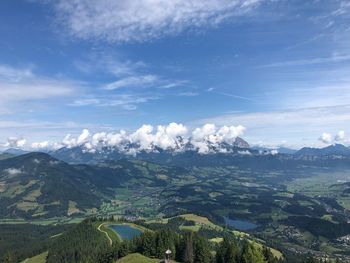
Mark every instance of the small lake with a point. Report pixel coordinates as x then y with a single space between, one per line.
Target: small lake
240 224
126 231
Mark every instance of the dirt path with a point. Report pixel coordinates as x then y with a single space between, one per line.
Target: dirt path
99 229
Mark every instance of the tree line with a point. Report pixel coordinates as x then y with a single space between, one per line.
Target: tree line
84 243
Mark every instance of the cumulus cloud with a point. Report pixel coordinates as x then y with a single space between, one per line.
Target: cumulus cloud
326 138
13 171
340 137
209 135
40 145
165 136
46 145
142 20
82 139
15 142
174 136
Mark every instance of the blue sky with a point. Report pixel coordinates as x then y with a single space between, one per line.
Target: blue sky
279 68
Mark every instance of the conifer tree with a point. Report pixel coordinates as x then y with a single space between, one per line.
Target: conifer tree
251 254
202 251
8 258
188 255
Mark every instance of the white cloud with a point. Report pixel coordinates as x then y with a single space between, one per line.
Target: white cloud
40 145
126 101
46 145
173 136
15 74
132 82
13 171
245 152
340 137
142 20
326 138
22 85
274 152
335 58
188 94
208 135
15 142
83 138
300 126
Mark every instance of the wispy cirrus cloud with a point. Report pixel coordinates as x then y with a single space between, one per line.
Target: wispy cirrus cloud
133 81
126 101
23 85
143 20
335 58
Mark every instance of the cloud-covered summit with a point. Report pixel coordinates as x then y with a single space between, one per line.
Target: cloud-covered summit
340 137
174 136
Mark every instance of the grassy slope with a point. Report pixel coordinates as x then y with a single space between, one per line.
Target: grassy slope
41 258
137 258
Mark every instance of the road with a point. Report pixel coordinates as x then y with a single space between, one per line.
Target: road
109 239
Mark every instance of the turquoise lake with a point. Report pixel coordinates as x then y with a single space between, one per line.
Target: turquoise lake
126 231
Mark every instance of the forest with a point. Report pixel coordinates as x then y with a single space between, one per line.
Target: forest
84 243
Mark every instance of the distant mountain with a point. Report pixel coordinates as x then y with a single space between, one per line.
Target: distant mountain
37 185
285 150
282 150
15 151
80 154
6 156
240 143
332 150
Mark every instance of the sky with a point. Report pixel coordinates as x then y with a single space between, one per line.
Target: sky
278 68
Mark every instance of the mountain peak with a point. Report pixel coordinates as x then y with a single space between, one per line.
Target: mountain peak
334 149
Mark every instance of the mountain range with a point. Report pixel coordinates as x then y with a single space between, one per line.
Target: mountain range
75 181
37 185
335 149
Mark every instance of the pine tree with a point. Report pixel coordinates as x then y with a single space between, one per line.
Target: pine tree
202 251
8 258
251 254
227 252
123 249
147 245
269 257
188 256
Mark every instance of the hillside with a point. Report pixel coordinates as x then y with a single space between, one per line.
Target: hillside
35 184
85 243
265 195
336 149
21 241
5 156
136 258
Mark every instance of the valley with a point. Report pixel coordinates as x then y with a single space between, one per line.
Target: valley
295 205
